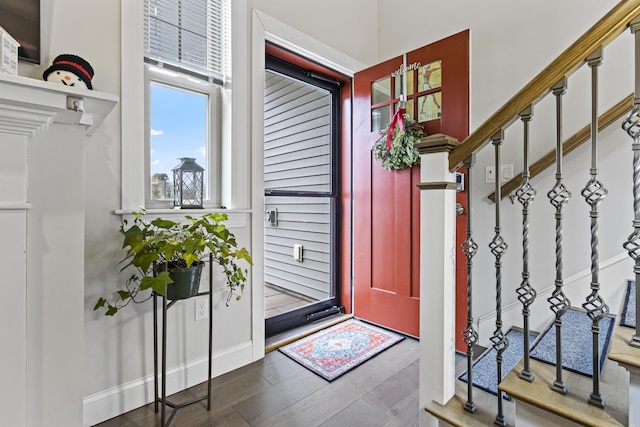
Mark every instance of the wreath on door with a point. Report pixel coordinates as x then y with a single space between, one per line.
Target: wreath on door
395 149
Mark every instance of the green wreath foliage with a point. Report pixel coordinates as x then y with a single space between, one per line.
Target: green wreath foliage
402 153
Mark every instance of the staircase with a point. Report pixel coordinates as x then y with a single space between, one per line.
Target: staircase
541 393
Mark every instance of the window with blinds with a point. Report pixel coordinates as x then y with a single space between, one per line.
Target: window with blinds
189 36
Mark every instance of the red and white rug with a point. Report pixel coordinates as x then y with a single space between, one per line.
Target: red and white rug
333 351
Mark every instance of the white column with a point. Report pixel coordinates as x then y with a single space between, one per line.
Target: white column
437 274
634 394
42 225
55 280
13 229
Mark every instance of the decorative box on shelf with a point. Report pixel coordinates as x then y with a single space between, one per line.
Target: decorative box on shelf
8 53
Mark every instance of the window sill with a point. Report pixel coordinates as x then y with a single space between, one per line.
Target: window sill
182 212
238 218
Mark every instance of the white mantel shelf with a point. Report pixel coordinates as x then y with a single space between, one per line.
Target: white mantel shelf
29 106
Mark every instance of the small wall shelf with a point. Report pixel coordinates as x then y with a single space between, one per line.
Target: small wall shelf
29 106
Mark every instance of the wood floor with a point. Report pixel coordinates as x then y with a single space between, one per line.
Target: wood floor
277 391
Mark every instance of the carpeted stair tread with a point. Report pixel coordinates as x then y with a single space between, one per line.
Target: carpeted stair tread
628 313
485 367
577 347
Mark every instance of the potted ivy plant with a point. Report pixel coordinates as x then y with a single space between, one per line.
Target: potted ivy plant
167 258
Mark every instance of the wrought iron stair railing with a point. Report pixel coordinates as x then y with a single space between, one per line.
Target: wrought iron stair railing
553 79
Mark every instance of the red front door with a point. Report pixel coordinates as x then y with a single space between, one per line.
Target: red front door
386 213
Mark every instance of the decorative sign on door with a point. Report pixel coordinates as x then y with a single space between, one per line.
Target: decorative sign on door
416 84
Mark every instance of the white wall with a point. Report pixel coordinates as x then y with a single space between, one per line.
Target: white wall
347 26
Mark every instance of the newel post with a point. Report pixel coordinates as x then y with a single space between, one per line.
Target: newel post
437 273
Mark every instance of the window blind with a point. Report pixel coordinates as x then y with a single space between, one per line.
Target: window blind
190 36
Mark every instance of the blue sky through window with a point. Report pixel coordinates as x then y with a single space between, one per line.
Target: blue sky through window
178 128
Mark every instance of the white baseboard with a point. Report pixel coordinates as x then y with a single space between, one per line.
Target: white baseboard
104 405
576 287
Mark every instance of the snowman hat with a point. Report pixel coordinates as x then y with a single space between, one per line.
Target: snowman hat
73 64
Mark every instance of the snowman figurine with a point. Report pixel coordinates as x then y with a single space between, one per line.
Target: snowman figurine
70 70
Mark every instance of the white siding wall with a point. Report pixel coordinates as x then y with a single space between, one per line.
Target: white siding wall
298 158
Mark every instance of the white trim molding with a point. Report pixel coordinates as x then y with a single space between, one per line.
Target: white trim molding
132 105
266 28
117 400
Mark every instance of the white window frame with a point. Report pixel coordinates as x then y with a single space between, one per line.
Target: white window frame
153 74
232 191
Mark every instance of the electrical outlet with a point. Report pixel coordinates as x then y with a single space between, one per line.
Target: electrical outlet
202 308
489 174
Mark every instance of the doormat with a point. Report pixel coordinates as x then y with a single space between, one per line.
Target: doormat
577 347
628 315
333 351
485 368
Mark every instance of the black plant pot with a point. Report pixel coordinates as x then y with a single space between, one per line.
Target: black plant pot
186 282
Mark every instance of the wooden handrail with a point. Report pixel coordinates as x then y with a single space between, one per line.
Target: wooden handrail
601 34
584 134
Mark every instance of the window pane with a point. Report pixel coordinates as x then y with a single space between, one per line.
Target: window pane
380 91
430 76
399 84
380 118
188 33
430 107
409 108
409 75
178 129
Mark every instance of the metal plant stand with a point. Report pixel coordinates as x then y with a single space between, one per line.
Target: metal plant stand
161 399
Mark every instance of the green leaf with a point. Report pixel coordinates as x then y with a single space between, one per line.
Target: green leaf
101 302
190 259
242 253
111 310
144 260
158 284
163 223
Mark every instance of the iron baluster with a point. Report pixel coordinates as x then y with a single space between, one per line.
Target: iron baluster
526 294
469 249
594 192
558 197
498 247
631 125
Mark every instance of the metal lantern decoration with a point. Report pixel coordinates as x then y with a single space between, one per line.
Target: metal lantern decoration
188 184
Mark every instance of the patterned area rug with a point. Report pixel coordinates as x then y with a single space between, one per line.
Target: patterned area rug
577 347
335 350
628 315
